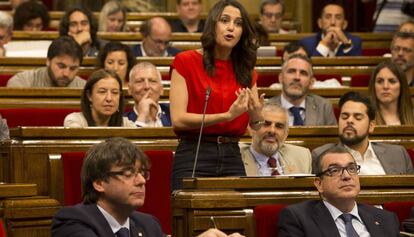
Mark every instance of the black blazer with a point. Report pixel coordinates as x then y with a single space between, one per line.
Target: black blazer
136 50
312 218
87 221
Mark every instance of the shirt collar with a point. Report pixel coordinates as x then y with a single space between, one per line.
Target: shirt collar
335 212
367 154
260 158
144 54
286 104
115 226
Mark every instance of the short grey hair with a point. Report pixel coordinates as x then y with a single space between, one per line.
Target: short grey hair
143 65
6 21
299 56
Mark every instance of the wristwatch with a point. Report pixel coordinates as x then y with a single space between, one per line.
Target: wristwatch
348 44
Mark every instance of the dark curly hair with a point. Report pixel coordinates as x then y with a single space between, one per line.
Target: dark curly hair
64 24
116 119
28 11
243 55
116 46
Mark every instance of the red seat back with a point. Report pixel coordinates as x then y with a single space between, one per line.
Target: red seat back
411 153
267 218
157 198
401 209
4 78
35 116
374 52
360 80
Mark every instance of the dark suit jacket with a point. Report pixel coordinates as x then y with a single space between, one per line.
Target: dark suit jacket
312 42
165 115
318 110
136 50
393 158
87 221
312 218
178 26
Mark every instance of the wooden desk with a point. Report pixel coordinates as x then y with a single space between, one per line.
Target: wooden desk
231 201
33 154
24 213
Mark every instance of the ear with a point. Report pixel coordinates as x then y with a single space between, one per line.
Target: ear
88 94
345 25
48 62
313 79
98 185
318 184
371 126
280 76
320 23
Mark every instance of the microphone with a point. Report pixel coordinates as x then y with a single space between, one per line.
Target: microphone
208 91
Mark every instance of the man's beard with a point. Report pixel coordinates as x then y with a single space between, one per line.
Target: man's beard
267 149
295 96
55 80
352 140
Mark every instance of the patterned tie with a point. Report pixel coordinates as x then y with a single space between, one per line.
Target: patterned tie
350 231
123 232
297 119
272 163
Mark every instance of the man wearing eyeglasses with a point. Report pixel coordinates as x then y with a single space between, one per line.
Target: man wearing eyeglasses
113 176
356 122
156 35
271 16
333 40
337 214
402 51
268 154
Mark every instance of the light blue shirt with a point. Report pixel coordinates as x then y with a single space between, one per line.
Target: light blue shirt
261 162
115 226
357 223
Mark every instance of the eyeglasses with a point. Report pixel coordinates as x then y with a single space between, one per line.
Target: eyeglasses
397 49
131 173
269 15
166 43
338 170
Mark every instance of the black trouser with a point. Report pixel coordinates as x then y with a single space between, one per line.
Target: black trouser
214 160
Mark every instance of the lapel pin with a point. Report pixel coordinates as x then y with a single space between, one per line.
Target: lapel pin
140 234
376 223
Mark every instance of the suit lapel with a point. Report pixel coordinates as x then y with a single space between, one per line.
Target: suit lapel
324 221
374 225
311 115
382 155
136 231
104 227
250 163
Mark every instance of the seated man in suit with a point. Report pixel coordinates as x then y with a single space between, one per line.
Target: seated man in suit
337 214
64 58
189 13
114 174
146 88
304 108
332 40
268 154
402 53
271 16
356 122
156 34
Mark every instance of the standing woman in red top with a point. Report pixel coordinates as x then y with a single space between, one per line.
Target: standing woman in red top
225 64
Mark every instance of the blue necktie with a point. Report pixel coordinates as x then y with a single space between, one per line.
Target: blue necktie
350 231
297 119
123 232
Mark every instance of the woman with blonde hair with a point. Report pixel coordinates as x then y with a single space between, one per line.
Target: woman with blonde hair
390 94
112 17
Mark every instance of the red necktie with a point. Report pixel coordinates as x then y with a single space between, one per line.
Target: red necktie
272 163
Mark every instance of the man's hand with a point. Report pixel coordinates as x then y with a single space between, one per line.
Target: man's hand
82 38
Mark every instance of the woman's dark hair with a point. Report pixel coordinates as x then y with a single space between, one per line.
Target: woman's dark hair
101 157
405 105
117 46
243 55
64 24
28 11
116 118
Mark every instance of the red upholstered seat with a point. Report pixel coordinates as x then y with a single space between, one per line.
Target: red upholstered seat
35 116
402 209
267 217
360 80
374 52
411 153
4 78
157 198
3 228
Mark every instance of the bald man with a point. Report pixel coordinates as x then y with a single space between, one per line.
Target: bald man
155 40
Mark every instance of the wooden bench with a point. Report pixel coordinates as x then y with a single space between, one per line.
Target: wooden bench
231 201
29 156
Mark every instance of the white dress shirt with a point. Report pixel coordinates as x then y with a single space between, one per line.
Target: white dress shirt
115 226
370 165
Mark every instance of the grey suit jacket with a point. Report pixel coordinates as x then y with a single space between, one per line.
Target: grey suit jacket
87 221
318 110
294 160
312 218
393 158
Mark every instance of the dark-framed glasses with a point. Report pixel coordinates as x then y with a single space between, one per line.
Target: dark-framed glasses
333 171
131 173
